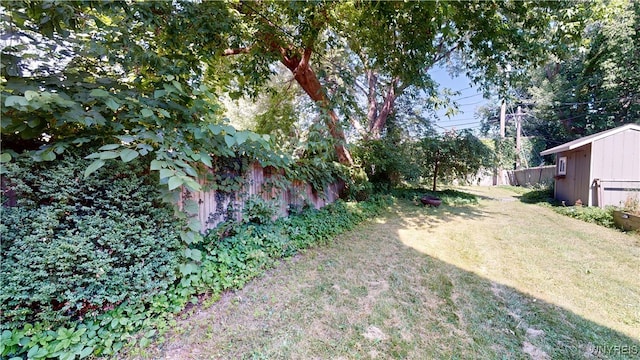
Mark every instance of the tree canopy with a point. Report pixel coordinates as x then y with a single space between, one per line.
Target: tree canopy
593 88
141 77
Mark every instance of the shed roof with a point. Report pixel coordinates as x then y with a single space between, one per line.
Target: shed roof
589 139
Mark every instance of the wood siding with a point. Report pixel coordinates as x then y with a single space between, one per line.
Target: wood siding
215 207
575 184
616 162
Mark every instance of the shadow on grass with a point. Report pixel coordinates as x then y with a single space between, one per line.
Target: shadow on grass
503 322
455 204
369 294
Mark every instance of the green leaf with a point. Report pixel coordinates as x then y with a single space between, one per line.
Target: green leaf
37 352
86 352
165 173
30 95
206 159
127 155
12 101
191 184
175 182
159 93
48 155
106 155
229 129
194 224
5 157
164 113
146 113
109 147
93 167
215 129
189 268
112 104
188 237
191 207
241 137
99 93
193 254
178 86
125 138
229 140
157 165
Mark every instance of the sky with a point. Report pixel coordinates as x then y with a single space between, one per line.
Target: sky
469 100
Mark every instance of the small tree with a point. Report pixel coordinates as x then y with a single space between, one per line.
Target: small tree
453 155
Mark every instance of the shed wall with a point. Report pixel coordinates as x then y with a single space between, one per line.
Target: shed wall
575 184
616 162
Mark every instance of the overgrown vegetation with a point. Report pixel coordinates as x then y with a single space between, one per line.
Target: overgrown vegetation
590 214
73 248
101 264
431 160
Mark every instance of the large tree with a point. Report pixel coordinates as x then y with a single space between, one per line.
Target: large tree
396 44
388 46
233 45
593 88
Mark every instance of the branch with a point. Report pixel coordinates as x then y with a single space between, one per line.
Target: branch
236 51
446 54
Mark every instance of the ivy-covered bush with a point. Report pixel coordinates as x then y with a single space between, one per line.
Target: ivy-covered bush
92 265
73 248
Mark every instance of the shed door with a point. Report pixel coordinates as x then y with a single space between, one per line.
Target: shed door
581 179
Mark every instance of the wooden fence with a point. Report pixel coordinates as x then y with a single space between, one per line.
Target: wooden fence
215 207
532 176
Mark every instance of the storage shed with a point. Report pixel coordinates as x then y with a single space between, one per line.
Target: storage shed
600 169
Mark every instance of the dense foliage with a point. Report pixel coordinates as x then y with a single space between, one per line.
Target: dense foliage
597 88
72 248
100 263
118 82
593 88
590 214
446 158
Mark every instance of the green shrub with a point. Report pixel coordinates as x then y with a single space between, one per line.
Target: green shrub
106 254
74 248
539 194
590 214
258 210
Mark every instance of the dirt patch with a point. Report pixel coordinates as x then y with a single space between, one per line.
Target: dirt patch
534 333
533 351
374 334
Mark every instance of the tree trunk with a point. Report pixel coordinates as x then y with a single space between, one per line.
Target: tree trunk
435 171
309 82
377 116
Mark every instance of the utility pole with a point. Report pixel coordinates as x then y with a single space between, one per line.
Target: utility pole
503 116
518 136
498 176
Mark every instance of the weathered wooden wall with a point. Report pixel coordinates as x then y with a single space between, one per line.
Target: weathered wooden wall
532 176
214 205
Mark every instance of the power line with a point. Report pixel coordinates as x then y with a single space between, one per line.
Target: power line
468 97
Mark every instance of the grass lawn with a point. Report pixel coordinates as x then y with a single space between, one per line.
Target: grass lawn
501 279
